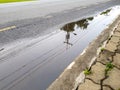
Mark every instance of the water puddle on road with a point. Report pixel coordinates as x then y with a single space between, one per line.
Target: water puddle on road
74 37
74 27
45 60
91 24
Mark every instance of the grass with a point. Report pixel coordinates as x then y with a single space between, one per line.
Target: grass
109 66
102 49
87 72
10 1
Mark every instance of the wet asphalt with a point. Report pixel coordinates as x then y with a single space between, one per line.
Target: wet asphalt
29 29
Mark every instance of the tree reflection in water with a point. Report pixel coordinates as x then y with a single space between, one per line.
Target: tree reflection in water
70 28
106 12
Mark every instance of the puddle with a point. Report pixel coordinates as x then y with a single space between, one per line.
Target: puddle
86 25
82 24
72 27
45 60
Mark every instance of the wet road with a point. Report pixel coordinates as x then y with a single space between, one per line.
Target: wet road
40 8
43 55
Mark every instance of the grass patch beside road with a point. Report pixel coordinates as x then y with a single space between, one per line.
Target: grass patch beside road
10 1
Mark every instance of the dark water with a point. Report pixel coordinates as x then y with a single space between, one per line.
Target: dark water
39 65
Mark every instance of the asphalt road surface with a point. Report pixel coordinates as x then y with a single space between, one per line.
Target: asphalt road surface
33 49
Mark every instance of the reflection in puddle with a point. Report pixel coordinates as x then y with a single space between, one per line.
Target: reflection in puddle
106 12
83 24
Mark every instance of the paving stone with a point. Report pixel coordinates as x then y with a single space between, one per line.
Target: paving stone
118 49
89 85
118 27
97 72
114 79
115 39
116 60
106 88
111 46
105 56
116 34
117 30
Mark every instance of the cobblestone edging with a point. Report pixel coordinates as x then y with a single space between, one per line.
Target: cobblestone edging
72 77
105 73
